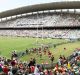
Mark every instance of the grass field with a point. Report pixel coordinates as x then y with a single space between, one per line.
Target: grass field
9 44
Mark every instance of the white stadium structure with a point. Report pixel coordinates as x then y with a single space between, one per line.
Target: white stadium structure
55 21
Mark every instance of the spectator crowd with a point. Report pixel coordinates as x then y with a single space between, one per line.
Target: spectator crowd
55 33
64 66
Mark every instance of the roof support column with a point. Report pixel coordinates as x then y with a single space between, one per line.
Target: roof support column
74 11
1 19
67 10
55 11
43 11
16 16
32 13
21 15
61 11
49 11
6 19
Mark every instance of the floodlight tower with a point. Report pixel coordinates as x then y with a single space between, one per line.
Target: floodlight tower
42 27
37 30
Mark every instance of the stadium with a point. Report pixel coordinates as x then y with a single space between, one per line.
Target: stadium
45 37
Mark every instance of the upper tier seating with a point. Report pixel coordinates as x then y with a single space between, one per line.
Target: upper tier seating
51 20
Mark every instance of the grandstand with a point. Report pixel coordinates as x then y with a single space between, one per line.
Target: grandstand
50 20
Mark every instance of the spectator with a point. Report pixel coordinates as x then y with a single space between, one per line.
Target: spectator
36 71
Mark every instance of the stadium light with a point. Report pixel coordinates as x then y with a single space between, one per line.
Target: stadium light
37 30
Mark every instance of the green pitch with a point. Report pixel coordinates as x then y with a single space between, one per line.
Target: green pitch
9 44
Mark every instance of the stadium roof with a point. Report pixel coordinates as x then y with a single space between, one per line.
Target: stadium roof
41 7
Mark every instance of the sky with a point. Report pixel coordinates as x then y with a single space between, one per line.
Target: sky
11 4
